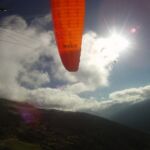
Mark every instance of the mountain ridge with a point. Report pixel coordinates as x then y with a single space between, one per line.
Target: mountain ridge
59 130
135 116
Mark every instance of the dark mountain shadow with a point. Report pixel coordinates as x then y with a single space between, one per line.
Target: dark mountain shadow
24 126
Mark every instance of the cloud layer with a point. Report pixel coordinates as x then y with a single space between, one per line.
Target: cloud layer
29 58
31 68
132 94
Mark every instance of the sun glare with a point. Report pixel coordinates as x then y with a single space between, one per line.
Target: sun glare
117 43
111 47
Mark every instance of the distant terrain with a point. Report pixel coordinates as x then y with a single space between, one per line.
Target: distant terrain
136 116
24 127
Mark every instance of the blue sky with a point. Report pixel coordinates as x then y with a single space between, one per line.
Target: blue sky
42 72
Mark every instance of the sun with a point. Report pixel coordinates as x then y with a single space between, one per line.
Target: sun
114 44
117 43
110 48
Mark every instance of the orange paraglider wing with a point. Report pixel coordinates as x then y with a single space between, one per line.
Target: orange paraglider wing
68 20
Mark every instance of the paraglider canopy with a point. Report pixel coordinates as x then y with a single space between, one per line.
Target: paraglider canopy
68 20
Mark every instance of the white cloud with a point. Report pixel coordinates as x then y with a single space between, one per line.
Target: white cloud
19 50
34 79
58 99
76 88
29 58
14 22
40 23
23 45
132 94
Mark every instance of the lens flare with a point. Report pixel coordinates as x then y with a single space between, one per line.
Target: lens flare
133 30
